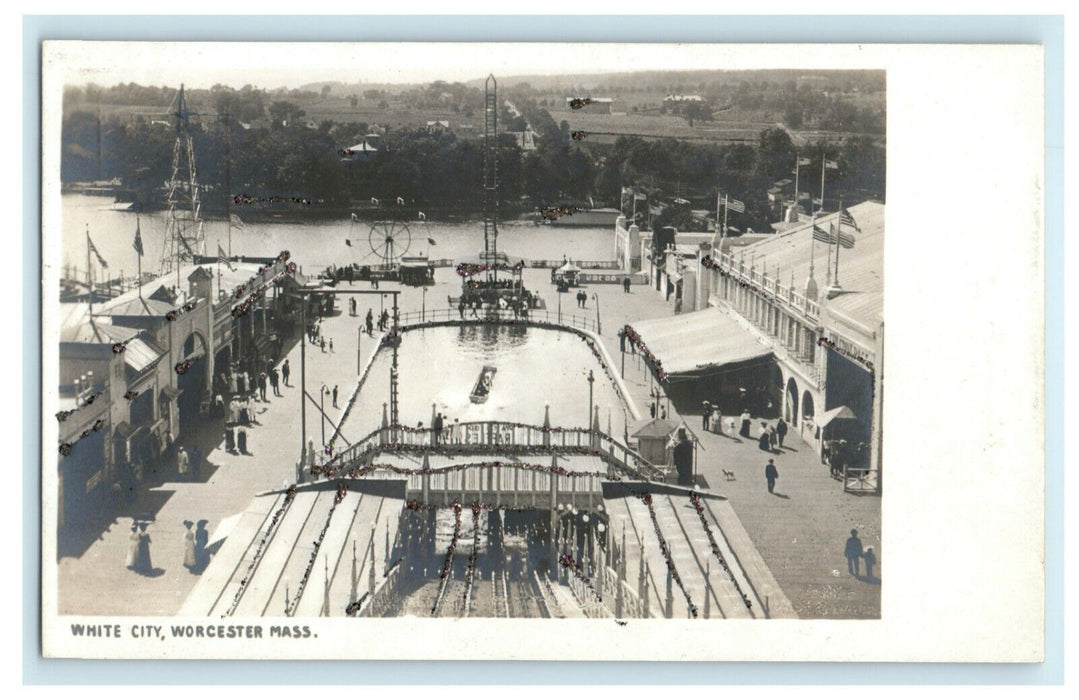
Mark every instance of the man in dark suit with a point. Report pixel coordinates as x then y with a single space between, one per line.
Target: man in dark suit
853 552
771 474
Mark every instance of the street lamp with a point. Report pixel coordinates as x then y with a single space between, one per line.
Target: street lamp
599 328
322 410
591 381
423 303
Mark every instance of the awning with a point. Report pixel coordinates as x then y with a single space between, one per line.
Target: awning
141 354
694 341
839 412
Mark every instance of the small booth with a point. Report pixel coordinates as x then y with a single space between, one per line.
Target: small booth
653 438
566 276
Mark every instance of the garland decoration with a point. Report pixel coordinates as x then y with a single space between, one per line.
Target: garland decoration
665 549
342 491
634 337
567 561
695 499
470 571
443 575
260 550
473 269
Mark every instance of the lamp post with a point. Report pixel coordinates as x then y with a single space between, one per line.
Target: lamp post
591 381
559 293
322 411
423 303
599 327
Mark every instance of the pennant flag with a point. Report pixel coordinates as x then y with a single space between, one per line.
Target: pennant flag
626 191
354 217
223 258
846 219
831 165
236 221
93 249
803 161
375 202
735 205
423 217
138 239
348 243
401 201
431 241
640 197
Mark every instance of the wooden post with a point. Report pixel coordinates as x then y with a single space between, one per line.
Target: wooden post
669 600
371 568
707 590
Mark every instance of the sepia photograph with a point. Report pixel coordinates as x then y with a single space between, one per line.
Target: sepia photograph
451 341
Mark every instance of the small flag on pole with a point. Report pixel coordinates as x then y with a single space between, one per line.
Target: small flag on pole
431 241
803 161
93 249
236 221
846 219
640 197
831 165
348 243
423 217
138 239
846 240
223 258
735 205
354 217
375 201
401 201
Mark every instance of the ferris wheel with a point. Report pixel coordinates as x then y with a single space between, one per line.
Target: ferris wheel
389 240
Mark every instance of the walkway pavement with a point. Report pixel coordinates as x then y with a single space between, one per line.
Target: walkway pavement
228 484
800 532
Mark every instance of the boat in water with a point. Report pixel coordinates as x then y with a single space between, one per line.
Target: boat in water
482 391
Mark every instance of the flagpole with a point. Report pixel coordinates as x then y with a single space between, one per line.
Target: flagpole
138 231
726 210
797 167
823 163
839 230
89 274
812 244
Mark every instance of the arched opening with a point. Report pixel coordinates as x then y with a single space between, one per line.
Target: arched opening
790 409
807 406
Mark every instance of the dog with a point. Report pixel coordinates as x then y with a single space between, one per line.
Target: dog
729 475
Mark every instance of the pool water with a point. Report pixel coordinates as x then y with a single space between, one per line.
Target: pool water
536 367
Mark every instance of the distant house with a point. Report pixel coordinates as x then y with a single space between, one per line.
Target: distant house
437 126
526 140
683 98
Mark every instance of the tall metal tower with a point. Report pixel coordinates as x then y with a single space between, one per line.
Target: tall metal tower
490 175
184 237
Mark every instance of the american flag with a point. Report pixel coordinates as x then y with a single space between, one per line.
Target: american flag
803 161
138 239
847 220
735 205
831 165
823 236
222 257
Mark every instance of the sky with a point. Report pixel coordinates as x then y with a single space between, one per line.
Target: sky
264 65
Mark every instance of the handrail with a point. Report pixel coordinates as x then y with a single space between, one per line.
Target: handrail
497 437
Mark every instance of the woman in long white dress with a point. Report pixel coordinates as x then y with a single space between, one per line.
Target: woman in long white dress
189 545
133 546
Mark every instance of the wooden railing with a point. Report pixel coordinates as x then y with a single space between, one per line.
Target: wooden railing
543 318
494 437
387 596
784 295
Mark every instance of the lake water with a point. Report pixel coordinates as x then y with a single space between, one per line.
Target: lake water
536 366
313 245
